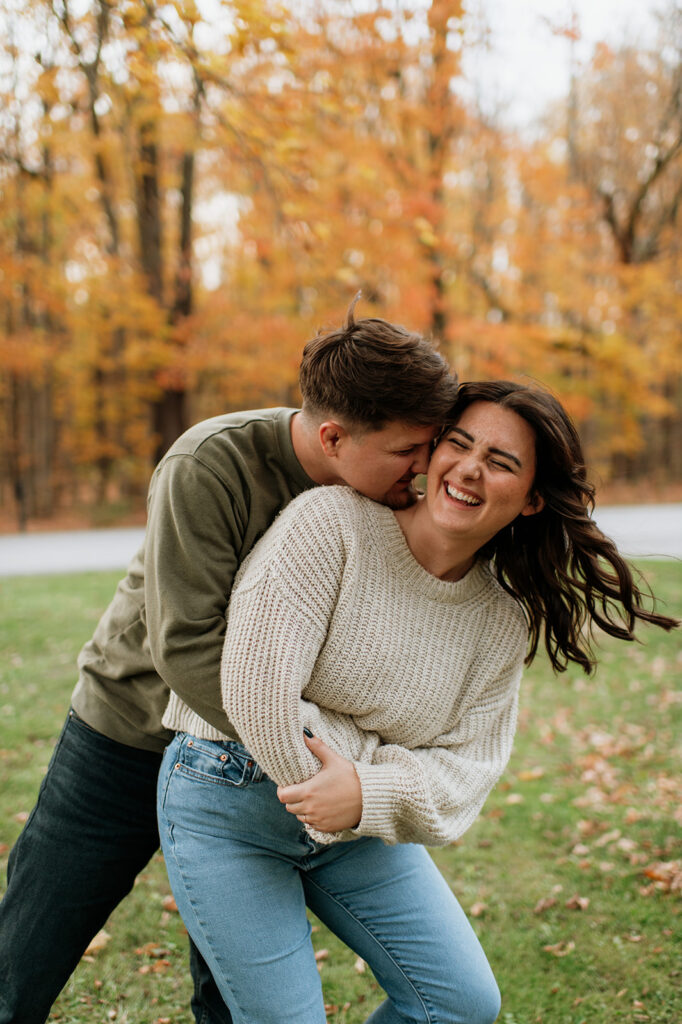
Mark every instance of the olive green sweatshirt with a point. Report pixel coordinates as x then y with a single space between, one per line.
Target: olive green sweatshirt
211 497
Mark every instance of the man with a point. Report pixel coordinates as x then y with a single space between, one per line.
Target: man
373 398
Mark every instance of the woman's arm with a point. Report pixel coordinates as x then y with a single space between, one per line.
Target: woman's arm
433 794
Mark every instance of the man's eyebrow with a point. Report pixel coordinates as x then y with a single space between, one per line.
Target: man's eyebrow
495 451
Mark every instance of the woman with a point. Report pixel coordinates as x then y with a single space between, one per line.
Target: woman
398 639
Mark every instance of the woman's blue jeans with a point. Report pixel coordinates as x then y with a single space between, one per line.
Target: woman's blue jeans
243 870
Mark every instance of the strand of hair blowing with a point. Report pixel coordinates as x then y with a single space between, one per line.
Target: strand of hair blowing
566 574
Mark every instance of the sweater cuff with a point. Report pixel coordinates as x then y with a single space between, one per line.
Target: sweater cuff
380 799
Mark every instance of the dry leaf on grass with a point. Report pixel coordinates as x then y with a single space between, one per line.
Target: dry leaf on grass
151 949
158 956
158 967
544 904
560 948
98 943
666 874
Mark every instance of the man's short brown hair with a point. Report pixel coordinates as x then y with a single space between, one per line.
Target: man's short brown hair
371 372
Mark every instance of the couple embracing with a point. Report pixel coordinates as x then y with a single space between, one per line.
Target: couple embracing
343 681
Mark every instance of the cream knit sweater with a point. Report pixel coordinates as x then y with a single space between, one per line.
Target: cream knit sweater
333 624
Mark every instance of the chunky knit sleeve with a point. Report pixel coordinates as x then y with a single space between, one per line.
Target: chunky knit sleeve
277 621
432 794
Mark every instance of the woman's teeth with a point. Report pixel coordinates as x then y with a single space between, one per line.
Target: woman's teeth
460 496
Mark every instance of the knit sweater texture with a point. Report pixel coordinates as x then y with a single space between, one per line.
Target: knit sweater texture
333 624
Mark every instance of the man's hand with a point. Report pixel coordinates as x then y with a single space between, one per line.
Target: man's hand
331 800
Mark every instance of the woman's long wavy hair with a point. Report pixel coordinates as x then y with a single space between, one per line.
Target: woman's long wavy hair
565 573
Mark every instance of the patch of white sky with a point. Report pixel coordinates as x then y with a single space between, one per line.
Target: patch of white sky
216 215
519 61
515 60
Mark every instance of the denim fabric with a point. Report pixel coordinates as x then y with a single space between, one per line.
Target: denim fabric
91 832
243 870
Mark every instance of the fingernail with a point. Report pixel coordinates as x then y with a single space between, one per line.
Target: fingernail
307 732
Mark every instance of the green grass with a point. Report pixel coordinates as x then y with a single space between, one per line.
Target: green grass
589 810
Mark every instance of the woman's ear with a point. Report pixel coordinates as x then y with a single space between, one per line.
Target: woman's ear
536 504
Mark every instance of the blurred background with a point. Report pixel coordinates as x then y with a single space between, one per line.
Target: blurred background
191 189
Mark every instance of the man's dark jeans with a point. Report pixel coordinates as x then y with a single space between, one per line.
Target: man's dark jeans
91 832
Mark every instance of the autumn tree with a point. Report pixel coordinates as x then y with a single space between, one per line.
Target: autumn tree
187 198
131 89
628 154
31 290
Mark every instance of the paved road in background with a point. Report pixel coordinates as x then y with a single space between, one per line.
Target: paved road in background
653 531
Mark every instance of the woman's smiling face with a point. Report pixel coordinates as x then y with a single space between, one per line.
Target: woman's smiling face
481 473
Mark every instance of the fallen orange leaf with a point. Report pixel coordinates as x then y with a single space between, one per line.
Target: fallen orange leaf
544 904
560 948
152 949
98 943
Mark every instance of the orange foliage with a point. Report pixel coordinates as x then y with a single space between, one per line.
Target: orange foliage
184 207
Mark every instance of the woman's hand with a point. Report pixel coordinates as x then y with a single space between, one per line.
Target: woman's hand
331 800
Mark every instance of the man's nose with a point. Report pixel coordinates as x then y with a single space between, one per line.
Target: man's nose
420 463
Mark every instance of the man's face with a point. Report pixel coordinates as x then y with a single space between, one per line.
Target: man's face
383 463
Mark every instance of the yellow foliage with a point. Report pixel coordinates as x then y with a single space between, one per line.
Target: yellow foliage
338 157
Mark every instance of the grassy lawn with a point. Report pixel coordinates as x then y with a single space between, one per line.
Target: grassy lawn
572 874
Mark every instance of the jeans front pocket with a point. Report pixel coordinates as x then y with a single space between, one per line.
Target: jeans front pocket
208 786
